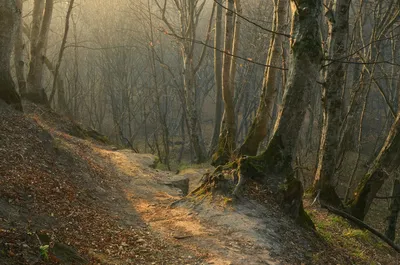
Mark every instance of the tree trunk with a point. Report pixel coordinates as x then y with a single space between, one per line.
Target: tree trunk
394 210
62 49
258 130
192 111
274 166
218 79
189 12
227 138
332 103
19 56
61 103
349 116
10 17
359 146
39 35
384 164
235 46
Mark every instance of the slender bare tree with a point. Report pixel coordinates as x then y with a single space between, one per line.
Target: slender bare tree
62 103
258 130
19 56
332 101
218 77
227 138
189 13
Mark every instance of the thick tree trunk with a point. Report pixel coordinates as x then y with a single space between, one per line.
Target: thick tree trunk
387 161
227 138
394 210
218 79
10 17
258 130
39 35
274 166
332 103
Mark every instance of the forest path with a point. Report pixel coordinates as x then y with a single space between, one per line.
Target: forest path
219 235
93 204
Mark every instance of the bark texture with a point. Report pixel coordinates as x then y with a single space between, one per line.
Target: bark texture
258 129
332 103
10 17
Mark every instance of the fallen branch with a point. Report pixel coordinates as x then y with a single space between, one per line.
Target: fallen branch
361 224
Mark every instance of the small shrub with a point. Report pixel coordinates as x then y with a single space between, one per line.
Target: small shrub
44 252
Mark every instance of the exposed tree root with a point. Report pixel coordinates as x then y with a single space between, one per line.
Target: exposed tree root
220 181
224 151
231 179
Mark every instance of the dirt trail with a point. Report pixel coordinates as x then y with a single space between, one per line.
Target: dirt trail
247 234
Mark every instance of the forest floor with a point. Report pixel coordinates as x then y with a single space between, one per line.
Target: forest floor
69 197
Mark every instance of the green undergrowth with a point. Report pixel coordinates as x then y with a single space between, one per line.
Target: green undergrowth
346 243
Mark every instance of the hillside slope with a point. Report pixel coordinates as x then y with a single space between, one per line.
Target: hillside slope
66 197
53 193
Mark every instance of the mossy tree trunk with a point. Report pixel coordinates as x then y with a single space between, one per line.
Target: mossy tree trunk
274 166
305 61
10 17
258 129
332 103
387 161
